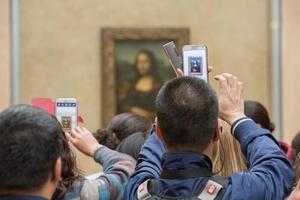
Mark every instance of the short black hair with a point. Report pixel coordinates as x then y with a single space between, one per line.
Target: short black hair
30 144
187 112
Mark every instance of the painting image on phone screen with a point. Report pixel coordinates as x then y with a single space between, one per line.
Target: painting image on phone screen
66 122
195 65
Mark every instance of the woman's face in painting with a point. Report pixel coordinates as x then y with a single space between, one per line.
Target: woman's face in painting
143 63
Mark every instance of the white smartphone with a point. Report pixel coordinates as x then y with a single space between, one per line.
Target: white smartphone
66 112
174 57
195 61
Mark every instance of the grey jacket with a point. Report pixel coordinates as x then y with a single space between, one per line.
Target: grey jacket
117 168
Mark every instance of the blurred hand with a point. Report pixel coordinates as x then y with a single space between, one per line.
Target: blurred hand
295 195
231 99
179 72
83 140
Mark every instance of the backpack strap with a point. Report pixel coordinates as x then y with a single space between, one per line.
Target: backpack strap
149 190
143 192
224 181
214 188
210 188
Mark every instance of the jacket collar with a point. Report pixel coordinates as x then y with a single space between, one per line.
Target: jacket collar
185 160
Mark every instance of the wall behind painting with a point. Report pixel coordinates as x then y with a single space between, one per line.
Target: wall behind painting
4 54
290 68
60 44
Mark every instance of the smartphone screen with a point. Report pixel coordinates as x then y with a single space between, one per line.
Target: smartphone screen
195 61
66 113
174 57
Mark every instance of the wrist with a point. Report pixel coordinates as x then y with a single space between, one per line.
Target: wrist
233 118
95 149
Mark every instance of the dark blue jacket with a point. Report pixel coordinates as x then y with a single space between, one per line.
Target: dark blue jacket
21 197
270 175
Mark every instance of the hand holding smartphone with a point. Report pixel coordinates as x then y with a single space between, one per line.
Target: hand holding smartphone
194 59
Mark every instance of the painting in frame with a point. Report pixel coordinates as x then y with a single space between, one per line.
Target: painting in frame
134 68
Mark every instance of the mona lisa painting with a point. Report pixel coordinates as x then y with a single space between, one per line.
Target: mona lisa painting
134 68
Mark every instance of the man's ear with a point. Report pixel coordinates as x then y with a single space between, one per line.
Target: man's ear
218 131
158 131
57 171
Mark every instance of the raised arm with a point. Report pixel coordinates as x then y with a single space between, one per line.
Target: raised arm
148 164
270 173
117 168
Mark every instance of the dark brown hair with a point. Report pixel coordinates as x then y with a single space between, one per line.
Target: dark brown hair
132 144
70 172
258 113
107 138
120 127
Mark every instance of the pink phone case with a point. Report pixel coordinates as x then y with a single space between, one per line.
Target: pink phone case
49 106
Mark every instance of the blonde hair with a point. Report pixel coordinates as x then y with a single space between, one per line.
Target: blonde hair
227 154
296 189
297 171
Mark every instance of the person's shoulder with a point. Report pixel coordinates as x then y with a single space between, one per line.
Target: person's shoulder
93 176
74 192
99 188
83 189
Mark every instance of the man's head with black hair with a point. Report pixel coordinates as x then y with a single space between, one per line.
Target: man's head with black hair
187 113
30 149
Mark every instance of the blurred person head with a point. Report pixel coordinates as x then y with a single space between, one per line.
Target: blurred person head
187 115
295 147
227 155
120 127
145 63
295 195
258 113
31 149
132 144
